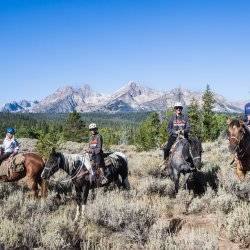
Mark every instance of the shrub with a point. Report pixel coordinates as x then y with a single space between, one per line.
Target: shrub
11 233
202 204
237 224
132 217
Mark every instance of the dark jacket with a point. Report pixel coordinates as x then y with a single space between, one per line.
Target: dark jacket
178 123
95 144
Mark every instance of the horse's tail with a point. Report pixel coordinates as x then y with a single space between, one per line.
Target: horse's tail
123 170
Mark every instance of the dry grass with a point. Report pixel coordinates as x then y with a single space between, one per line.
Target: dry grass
149 216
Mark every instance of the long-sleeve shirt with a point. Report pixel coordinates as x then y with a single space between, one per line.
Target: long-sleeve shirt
10 145
178 122
95 144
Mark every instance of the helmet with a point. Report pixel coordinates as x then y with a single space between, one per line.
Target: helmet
178 104
11 131
92 126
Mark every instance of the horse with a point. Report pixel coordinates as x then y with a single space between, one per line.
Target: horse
185 158
239 145
30 166
79 169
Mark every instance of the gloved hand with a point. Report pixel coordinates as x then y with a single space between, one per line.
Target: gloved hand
180 133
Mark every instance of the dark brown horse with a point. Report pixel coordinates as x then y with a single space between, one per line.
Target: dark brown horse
32 167
239 145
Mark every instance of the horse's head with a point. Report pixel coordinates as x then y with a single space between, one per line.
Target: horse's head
236 131
196 151
52 165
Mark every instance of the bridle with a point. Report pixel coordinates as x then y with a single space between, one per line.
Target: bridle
48 168
235 138
240 153
194 158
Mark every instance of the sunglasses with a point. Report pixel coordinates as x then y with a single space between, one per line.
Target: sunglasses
178 108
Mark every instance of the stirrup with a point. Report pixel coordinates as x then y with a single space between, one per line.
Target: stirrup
104 180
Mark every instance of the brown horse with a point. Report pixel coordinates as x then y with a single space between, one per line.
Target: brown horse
239 145
32 167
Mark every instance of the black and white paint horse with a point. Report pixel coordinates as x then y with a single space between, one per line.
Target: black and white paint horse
78 167
185 158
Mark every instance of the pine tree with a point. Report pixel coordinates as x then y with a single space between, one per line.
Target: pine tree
147 136
163 134
219 125
195 119
208 114
74 129
47 142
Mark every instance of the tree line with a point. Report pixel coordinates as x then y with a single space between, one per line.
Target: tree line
146 130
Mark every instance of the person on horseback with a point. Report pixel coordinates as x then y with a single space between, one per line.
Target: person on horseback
178 123
247 115
96 153
10 146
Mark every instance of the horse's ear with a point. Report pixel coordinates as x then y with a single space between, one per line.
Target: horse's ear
229 120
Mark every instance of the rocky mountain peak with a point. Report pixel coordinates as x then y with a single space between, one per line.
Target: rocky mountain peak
133 96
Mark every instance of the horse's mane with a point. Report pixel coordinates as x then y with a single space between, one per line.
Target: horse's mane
234 122
70 159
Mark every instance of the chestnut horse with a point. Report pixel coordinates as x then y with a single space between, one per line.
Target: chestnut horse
33 165
239 145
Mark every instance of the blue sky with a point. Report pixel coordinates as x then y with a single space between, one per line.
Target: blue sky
105 43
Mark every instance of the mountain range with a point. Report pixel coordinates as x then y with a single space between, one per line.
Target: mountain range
131 97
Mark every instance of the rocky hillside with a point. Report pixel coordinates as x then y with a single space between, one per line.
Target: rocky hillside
129 98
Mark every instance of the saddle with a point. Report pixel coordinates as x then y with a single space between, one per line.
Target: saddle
15 164
111 159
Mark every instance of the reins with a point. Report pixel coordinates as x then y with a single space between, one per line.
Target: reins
70 178
67 179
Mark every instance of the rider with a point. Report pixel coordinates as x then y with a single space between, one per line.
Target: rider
10 146
247 114
178 123
95 151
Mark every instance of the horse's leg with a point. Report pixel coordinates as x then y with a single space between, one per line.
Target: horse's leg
44 188
78 201
239 170
171 172
33 186
82 193
125 183
176 178
123 172
186 176
85 191
118 181
43 185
